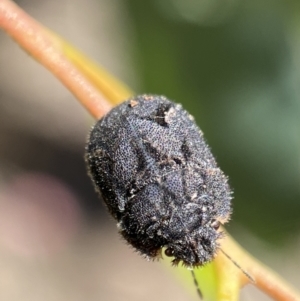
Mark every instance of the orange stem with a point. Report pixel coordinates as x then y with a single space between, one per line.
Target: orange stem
33 38
265 279
112 88
271 283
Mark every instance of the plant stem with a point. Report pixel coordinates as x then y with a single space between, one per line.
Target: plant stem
265 279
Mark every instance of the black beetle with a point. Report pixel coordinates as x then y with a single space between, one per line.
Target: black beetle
157 175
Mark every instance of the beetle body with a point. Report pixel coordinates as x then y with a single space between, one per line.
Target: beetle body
157 175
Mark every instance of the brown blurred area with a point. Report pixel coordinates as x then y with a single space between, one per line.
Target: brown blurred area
57 242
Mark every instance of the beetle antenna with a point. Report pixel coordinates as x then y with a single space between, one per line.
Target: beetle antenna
238 266
196 284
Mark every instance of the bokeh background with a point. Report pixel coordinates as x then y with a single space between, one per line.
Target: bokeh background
235 65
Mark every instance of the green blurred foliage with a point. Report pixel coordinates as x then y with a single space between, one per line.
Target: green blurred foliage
206 277
235 66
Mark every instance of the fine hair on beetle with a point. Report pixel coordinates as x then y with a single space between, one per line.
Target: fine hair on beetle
151 165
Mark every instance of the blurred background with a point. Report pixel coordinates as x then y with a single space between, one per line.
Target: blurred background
235 65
